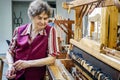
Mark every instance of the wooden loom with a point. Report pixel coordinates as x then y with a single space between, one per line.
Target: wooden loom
89 49
108 23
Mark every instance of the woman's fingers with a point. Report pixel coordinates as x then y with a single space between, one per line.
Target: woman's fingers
18 65
21 64
11 74
13 71
19 68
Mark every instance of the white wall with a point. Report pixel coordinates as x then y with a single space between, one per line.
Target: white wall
5 24
63 12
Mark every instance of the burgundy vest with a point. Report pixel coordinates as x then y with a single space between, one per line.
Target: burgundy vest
36 50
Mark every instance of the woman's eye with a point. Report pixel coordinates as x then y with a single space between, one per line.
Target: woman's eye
45 18
40 18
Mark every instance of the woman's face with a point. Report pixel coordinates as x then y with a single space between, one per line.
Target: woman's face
40 21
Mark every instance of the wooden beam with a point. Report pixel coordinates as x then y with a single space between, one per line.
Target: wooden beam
68 28
77 3
62 28
68 25
108 3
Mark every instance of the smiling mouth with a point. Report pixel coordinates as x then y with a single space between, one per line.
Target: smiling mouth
40 24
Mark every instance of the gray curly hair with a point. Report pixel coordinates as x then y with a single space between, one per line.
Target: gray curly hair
37 7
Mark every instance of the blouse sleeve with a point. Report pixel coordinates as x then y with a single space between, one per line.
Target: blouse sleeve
12 46
53 43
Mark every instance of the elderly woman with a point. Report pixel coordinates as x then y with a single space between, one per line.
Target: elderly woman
33 45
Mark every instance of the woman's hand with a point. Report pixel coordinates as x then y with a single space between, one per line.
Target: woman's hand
11 73
21 64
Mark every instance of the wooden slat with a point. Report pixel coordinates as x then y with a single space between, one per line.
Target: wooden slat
84 11
55 73
89 8
64 21
68 28
95 6
62 28
60 70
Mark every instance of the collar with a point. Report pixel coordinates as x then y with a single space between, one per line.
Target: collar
28 30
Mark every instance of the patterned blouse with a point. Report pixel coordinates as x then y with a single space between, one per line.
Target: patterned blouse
53 48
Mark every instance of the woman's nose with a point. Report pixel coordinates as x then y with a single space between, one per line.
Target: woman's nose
42 21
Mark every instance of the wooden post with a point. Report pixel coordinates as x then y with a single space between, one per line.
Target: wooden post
109 26
70 27
104 26
78 24
113 27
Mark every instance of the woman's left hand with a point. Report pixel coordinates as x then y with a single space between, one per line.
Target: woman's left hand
21 64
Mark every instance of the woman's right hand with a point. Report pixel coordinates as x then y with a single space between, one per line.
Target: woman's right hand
11 73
